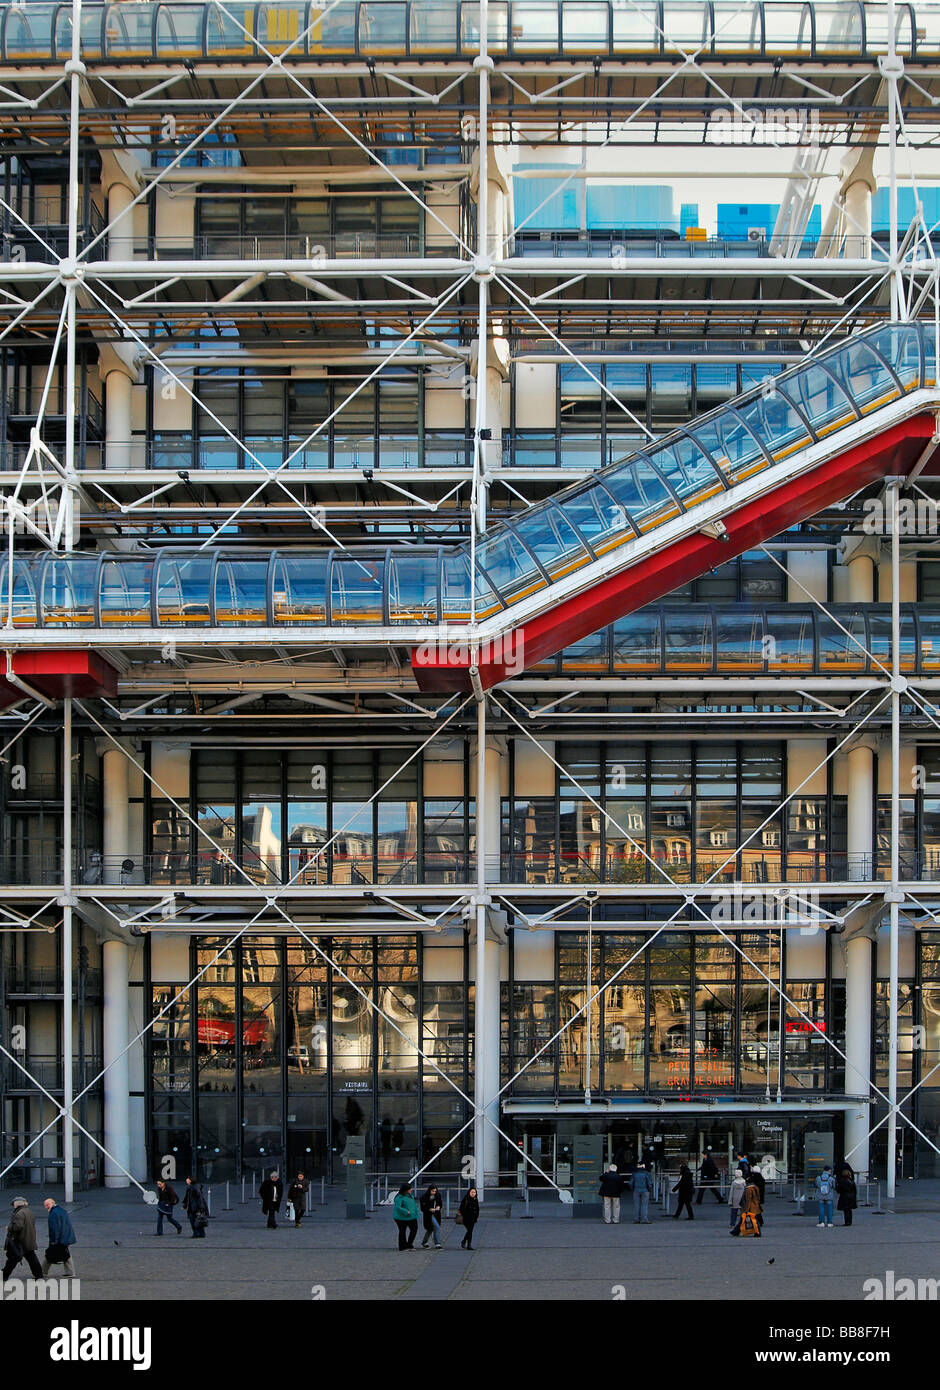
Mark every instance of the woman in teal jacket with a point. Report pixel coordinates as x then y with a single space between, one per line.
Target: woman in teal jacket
405 1212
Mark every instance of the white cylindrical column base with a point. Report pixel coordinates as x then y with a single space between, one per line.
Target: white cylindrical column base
121 223
857 206
860 812
115 970
858 985
118 425
116 825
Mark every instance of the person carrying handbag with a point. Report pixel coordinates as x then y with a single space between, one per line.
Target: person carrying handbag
61 1239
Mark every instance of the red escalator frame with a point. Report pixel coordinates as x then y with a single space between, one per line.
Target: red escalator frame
892 451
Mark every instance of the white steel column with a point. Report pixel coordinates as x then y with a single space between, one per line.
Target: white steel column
114 771
859 947
858 966
68 1145
860 812
857 206
120 196
117 1138
897 685
116 966
486 959
118 385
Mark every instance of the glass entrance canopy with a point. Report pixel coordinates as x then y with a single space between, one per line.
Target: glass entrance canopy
428 585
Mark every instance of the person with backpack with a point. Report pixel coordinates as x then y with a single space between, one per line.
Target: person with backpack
611 1189
432 1207
405 1212
848 1194
61 1239
685 1187
825 1187
166 1201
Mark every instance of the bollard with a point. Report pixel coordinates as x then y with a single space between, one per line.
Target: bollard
253 1185
228 1199
243 1189
447 1201
209 1200
878 1211
323 1192
527 1215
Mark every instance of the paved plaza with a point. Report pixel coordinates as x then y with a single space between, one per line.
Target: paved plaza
550 1256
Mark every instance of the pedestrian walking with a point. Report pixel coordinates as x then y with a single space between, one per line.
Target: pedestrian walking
271 1191
405 1212
166 1201
848 1194
685 1188
642 1185
297 1197
735 1196
20 1242
194 1205
611 1189
825 1187
61 1239
760 1182
709 1178
468 1215
751 1209
432 1207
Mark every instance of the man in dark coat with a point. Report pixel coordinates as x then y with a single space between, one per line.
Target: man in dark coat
194 1205
297 1196
685 1188
20 1243
611 1189
271 1192
709 1177
848 1194
61 1239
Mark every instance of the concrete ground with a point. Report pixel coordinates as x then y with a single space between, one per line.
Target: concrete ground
550 1257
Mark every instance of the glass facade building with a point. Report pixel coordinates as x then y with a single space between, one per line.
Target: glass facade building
302 381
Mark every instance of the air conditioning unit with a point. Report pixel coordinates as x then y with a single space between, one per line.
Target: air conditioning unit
757 233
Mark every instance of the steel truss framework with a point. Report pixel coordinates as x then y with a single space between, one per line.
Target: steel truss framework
440 310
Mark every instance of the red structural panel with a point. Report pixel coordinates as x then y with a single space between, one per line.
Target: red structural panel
57 674
893 451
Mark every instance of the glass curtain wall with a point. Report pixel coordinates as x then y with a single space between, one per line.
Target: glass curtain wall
276 1056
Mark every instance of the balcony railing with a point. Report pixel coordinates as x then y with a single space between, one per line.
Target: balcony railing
47 1072
207 868
47 980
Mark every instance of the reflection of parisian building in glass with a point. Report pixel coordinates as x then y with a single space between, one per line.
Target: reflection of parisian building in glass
275 515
